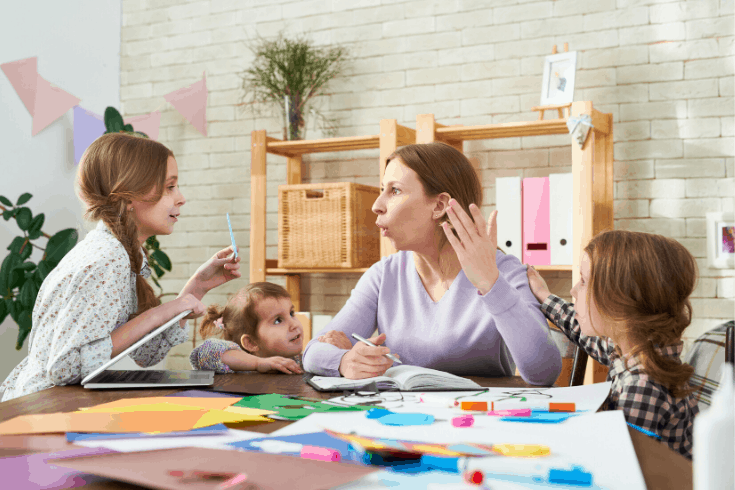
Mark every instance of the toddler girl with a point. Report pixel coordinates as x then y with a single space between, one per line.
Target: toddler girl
259 332
631 307
96 302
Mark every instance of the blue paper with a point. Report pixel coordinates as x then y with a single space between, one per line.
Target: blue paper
386 417
212 430
542 417
320 439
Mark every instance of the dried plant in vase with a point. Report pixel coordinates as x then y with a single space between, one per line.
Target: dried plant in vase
287 74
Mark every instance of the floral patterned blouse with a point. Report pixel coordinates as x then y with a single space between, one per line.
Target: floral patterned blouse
88 295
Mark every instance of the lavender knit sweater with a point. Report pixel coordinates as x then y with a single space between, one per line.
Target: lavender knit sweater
464 333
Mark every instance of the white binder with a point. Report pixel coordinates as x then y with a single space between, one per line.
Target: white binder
508 204
561 187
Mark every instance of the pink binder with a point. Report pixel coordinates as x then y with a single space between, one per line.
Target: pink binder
536 217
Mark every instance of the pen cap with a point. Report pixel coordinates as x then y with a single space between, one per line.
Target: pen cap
320 453
441 463
714 439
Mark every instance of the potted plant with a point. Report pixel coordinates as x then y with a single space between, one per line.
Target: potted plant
287 74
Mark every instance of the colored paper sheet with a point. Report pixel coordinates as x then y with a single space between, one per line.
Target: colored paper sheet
88 126
191 102
201 394
319 439
213 417
23 76
386 417
146 407
147 123
204 431
291 408
60 422
264 471
157 421
208 403
32 471
162 441
541 417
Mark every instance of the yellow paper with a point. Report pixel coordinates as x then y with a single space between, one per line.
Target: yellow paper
209 403
249 411
225 417
153 407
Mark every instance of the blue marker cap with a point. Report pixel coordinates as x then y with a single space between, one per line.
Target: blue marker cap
575 476
441 463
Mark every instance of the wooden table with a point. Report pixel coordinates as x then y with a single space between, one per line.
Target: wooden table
662 468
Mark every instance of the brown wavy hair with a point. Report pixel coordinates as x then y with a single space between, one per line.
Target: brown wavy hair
442 168
642 282
238 315
117 169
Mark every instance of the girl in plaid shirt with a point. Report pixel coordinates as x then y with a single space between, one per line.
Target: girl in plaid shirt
631 307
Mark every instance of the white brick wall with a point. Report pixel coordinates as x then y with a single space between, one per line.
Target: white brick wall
663 68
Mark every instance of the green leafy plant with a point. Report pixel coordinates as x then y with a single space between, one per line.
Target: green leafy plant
114 123
21 278
287 74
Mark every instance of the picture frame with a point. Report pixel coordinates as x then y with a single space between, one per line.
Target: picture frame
558 81
721 240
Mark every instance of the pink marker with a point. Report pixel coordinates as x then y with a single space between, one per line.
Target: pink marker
320 453
463 421
516 412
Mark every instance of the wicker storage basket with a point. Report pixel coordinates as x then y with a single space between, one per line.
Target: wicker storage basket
327 226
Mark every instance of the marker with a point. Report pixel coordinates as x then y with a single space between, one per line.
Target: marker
438 400
645 431
463 421
551 406
520 412
365 341
303 450
232 236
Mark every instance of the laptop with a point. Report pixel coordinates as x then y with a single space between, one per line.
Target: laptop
105 378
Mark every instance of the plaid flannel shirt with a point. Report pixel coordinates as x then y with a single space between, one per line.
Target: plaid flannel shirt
707 355
644 402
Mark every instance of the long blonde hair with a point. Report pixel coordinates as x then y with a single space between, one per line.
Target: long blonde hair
117 169
642 283
238 315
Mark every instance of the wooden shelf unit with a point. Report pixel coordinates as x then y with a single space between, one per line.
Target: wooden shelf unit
592 169
391 136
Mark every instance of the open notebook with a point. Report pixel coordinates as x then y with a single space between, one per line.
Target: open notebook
404 378
104 378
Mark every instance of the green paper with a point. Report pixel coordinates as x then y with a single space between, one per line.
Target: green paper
291 408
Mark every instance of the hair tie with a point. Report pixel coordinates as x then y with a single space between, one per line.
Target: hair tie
219 323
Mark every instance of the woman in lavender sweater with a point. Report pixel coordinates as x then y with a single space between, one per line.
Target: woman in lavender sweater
449 299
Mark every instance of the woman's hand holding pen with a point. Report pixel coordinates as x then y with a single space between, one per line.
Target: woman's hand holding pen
219 269
363 361
476 245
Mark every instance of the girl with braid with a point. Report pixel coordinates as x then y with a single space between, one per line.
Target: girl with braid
631 306
97 302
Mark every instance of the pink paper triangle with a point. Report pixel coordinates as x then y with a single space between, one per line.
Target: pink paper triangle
191 102
23 76
147 123
51 103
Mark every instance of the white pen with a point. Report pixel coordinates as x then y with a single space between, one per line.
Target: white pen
365 341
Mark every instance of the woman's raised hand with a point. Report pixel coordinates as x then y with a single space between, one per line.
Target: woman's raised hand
476 245
364 361
216 271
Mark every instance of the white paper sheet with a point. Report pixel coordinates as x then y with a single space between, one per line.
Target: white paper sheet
598 442
154 443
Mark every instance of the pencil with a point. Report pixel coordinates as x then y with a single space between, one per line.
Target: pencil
367 342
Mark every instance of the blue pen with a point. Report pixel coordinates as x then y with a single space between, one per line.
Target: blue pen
645 431
232 236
